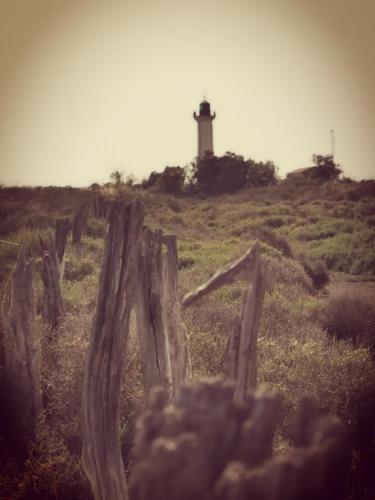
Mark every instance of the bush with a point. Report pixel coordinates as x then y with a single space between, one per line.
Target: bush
352 318
171 180
231 172
317 271
275 240
326 169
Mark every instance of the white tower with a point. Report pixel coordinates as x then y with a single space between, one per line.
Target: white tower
204 119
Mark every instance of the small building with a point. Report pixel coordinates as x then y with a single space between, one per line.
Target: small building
305 172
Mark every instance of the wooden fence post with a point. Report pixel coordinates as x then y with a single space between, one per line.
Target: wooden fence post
22 349
247 336
101 456
78 225
62 228
177 335
151 327
53 308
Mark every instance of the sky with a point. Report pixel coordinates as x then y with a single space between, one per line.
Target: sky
92 86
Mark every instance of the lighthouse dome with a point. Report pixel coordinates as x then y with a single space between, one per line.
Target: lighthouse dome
204 108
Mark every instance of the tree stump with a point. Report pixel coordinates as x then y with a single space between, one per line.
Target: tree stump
101 457
151 324
22 350
62 229
176 330
53 308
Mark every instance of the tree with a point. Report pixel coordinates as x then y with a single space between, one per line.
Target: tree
326 168
230 172
116 178
261 174
171 180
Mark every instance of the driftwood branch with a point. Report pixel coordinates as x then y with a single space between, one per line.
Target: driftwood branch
221 277
22 350
101 457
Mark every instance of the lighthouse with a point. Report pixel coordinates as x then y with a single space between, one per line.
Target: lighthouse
204 119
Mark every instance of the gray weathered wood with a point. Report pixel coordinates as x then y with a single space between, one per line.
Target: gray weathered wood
101 457
53 308
177 334
78 225
249 324
22 349
62 229
221 277
206 446
151 324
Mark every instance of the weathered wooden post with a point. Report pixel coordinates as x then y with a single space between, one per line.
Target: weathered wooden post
62 229
240 357
207 446
53 308
151 324
177 335
101 456
22 349
247 330
78 225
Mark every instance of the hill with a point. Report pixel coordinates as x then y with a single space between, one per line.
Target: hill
308 232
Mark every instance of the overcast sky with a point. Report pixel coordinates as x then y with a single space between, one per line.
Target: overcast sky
87 87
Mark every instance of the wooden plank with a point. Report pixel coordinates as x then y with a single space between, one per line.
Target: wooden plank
221 277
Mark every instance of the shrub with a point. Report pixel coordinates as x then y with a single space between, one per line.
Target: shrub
171 180
231 172
326 168
350 318
317 271
275 240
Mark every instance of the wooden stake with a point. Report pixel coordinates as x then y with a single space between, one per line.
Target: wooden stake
101 457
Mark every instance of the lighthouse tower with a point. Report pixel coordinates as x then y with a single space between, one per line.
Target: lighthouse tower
204 119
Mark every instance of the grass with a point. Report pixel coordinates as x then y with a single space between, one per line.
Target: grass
298 227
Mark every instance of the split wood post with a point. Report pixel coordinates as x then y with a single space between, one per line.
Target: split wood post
245 334
78 225
53 308
22 349
62 229
177 334
101 456
151 324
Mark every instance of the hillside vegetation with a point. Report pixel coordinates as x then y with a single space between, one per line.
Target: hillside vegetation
309 232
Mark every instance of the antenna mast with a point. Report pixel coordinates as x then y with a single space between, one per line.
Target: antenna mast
332 143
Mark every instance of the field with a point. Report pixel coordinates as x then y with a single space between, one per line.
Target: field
317 337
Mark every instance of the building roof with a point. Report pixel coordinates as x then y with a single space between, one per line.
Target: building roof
301 170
